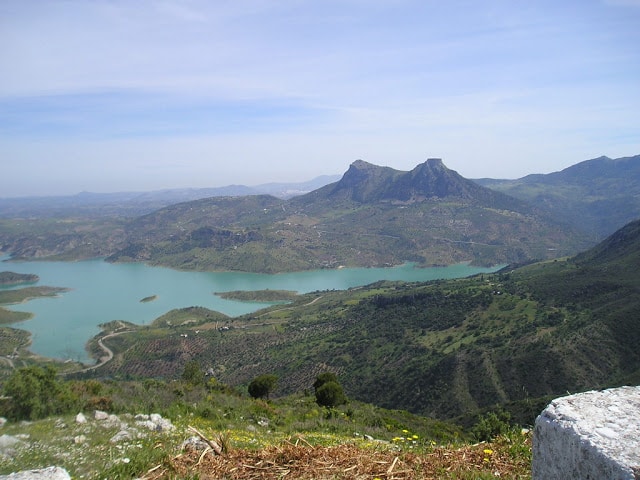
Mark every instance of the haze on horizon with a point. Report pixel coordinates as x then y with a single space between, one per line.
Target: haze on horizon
112 95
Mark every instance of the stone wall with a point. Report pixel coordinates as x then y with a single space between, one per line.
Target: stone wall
592 435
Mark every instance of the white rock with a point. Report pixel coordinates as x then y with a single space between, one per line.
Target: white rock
194 443
8 441
155 417
100 415
49 473
589 435
3 421
80 418
121 436
80 439
147 424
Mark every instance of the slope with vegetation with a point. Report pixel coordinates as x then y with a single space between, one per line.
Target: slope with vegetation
596 196
374 216
447 349
250 438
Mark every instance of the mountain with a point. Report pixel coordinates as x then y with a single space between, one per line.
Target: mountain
597 196
446 349
373 216
131 204
367 183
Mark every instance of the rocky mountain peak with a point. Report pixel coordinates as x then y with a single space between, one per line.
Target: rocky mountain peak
364 182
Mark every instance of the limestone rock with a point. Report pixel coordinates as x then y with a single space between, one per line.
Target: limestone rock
121 436
49 473
589 435
100 415
80 418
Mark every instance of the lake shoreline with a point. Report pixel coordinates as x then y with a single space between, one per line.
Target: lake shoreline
103 291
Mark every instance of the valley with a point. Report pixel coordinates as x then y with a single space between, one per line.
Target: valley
561 316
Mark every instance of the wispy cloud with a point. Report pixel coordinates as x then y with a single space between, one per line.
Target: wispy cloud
492 84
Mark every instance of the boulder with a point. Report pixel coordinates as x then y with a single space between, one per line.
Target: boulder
100 415
49 473
589 435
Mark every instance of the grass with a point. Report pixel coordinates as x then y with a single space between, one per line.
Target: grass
265 440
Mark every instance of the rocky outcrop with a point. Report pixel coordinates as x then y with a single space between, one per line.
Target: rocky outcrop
49 473
592 435
124 429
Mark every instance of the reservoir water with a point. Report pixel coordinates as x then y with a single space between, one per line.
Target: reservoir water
101 292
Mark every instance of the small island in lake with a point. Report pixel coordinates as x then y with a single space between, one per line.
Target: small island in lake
259 295
13 278
150 298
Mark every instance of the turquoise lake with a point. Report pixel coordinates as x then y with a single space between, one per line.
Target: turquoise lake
101 292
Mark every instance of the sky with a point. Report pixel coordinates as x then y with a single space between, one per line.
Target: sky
138 95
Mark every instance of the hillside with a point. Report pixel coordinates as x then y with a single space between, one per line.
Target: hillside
444 349
260 439
373 216
597 196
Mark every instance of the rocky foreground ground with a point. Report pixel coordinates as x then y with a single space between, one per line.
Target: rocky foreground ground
102 442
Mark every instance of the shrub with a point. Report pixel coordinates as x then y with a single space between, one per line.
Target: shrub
35 392
261 386
192 373
324 378
491 425
330 394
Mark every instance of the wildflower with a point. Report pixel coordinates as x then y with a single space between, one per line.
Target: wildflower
415 437
487 451
405 431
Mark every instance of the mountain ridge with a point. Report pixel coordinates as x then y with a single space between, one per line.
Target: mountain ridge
373 216
596 196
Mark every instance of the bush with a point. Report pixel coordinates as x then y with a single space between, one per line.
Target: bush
330 394
324 378
491 425
34 392
192 373
261 386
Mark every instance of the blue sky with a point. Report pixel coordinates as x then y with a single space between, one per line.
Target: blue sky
114 95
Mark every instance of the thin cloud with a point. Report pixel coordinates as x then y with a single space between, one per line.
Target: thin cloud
212 84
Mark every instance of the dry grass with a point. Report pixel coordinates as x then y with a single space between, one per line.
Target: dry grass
297 459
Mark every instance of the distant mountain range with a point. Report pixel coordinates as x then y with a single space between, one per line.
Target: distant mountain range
596 196
373 216
138 203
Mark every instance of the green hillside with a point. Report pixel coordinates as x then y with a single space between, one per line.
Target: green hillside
374 216
444 349
596 196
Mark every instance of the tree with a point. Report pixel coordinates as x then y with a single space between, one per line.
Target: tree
329 392
324 378
34 392
192 373
261 386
